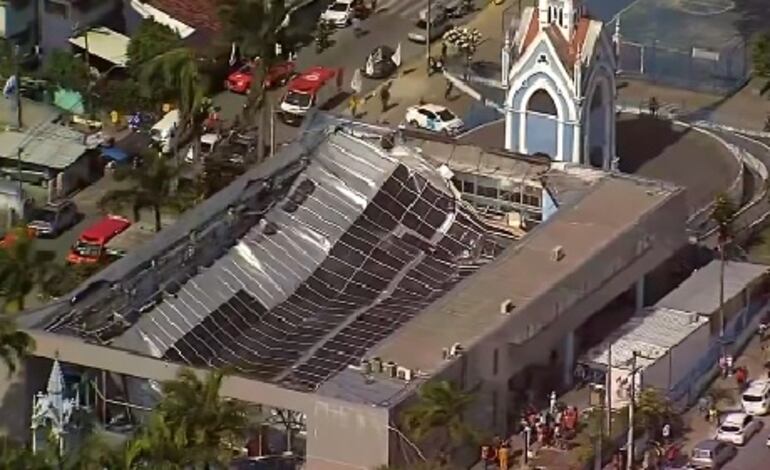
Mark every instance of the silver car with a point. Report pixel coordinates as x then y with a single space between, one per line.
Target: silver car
438 27
711 454
53 218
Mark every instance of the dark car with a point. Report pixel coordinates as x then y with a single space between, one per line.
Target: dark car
53 218
379 63
711 454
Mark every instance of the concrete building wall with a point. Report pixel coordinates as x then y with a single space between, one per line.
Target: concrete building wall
17 20
613 271
17 391
58 18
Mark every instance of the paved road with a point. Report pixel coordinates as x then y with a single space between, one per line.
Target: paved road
755 454
389 26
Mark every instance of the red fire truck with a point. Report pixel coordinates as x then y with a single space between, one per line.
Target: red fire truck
313 88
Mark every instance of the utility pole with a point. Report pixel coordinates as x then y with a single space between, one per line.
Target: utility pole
427 37
608 389
272 132
631 404
599 450
19 149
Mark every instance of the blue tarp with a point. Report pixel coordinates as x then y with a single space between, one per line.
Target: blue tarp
114 154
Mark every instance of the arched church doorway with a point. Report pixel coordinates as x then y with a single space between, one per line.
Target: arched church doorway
542 124
599 122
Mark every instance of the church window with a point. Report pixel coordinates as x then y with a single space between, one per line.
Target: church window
561 17
550 14
541 102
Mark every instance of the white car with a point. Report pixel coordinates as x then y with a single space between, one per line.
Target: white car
756 398
208 144
339 12
738 428
434 117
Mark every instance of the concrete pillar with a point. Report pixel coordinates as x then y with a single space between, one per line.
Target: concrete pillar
569 358
639 294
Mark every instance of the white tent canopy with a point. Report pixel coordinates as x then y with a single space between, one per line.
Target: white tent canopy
105 44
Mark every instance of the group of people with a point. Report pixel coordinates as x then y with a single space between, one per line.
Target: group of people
496 454
550 428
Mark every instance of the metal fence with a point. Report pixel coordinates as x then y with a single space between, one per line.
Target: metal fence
696 68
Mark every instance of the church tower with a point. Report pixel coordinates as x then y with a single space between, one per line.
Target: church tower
560 76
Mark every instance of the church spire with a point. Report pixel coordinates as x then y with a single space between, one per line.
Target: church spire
564 14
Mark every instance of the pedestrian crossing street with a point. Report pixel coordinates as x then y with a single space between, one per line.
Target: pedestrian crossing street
408 9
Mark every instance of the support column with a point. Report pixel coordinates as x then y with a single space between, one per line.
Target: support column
639 294
510 137
569 358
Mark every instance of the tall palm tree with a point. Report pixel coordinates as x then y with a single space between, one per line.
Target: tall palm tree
22 266
255 25
440 408
723 214
206 425
153 189
178 70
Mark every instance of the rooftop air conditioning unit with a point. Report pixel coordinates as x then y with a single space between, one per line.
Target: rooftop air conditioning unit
445 353
366 367
376 365
390 369
456 350
557 254
404 374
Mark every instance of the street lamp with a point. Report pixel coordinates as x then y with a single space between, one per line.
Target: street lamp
428 21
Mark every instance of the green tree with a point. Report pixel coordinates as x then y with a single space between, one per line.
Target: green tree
723 215
22 267
760 55
255 25
213 425
152 189
177 70
150 40
441 408
653 411
14 344
66 70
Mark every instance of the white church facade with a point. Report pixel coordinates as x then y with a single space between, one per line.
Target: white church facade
559 77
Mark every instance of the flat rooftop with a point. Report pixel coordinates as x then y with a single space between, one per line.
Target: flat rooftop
523 272
342 251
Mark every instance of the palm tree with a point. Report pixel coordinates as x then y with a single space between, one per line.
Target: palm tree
191 413
153 185
178 70
22 266
14 344
255 25
441 408
723 214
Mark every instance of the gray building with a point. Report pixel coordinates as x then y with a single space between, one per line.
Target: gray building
338 277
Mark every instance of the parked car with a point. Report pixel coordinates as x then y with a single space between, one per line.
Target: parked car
711 454
277 75
738 428
379 63
53 218
208 143
434 117
756 398
439 25
452 8
341 12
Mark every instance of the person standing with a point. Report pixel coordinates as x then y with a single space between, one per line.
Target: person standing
448 89
502 455
385 96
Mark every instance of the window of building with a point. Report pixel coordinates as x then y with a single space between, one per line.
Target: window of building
468 187
55 8
495 361
487 191
561 17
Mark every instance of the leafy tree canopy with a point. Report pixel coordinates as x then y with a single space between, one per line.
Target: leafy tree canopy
761 55
150 40
66 70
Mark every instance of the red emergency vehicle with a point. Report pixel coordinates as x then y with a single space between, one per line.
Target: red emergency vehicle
91 245
313 88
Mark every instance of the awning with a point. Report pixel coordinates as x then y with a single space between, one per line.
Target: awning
115 154
105 44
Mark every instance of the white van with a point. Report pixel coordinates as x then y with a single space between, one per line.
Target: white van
163 131
756 398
